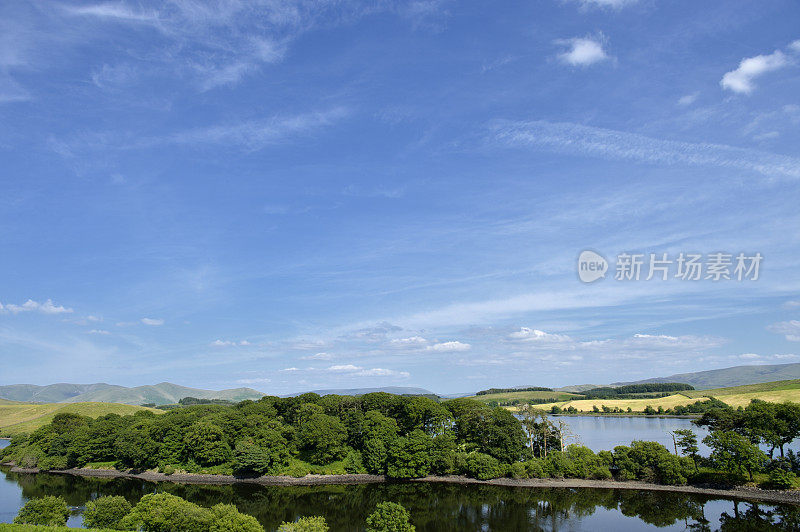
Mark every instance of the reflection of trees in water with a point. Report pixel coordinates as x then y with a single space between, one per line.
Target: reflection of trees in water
433 507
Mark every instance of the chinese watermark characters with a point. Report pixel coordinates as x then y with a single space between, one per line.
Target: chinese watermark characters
715 267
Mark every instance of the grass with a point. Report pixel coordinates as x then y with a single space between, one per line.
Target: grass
524 396
24 418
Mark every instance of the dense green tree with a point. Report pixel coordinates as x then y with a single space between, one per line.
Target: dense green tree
206 445
410 456
686 441
735 453
323 437
162 512
48 511
390 517
106 512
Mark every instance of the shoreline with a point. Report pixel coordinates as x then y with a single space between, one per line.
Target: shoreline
747 494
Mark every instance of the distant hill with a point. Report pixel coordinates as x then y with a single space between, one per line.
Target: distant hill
159 394
578 388
727 377
53 393
397 390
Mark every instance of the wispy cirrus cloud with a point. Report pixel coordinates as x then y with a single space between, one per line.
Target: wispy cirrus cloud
789 329
258 134
571 138
153 322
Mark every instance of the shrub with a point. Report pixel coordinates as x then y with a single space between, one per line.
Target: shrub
305 524
225 517
48 511
167 470
518 470
353 462
296 469
53 462
600 473
780 479
162 512
481 466
389 517
533 468
106 512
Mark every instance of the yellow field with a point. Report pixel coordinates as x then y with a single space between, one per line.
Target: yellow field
18 418
636 405
747 388
777 396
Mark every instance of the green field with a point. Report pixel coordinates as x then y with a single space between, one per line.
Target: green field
20 418
524 396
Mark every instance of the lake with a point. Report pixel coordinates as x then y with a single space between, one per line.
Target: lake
434 507
606 432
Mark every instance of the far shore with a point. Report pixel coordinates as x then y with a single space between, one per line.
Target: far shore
740 493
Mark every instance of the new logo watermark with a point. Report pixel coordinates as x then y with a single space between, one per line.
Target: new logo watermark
591 266
717 266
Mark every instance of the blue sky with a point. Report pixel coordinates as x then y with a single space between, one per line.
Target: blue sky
292 195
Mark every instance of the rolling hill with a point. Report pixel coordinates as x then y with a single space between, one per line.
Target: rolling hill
726 377
159 394
397 390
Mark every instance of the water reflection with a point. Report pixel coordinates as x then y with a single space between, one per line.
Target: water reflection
434 507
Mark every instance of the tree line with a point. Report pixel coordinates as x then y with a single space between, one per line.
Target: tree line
399 437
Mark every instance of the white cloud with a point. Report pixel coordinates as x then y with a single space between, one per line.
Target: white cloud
565 137
382 372
749 356
291 369
526 333
344 368
790 329
48 307
153 322
229 343
98 331
795 46
792 304
688 99
741 79
582 51
445 347
318 356
413 341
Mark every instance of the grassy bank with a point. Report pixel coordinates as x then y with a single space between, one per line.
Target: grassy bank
24 418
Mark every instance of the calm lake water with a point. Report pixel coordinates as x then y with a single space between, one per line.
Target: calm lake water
438 507
606 432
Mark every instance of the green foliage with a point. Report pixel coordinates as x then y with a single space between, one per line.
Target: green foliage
206 444
305 524
652 462
264 456
162 512
410 456
733 452
323 436
389 517
225 517
780 479
478 465
353 462
48 510
106 512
